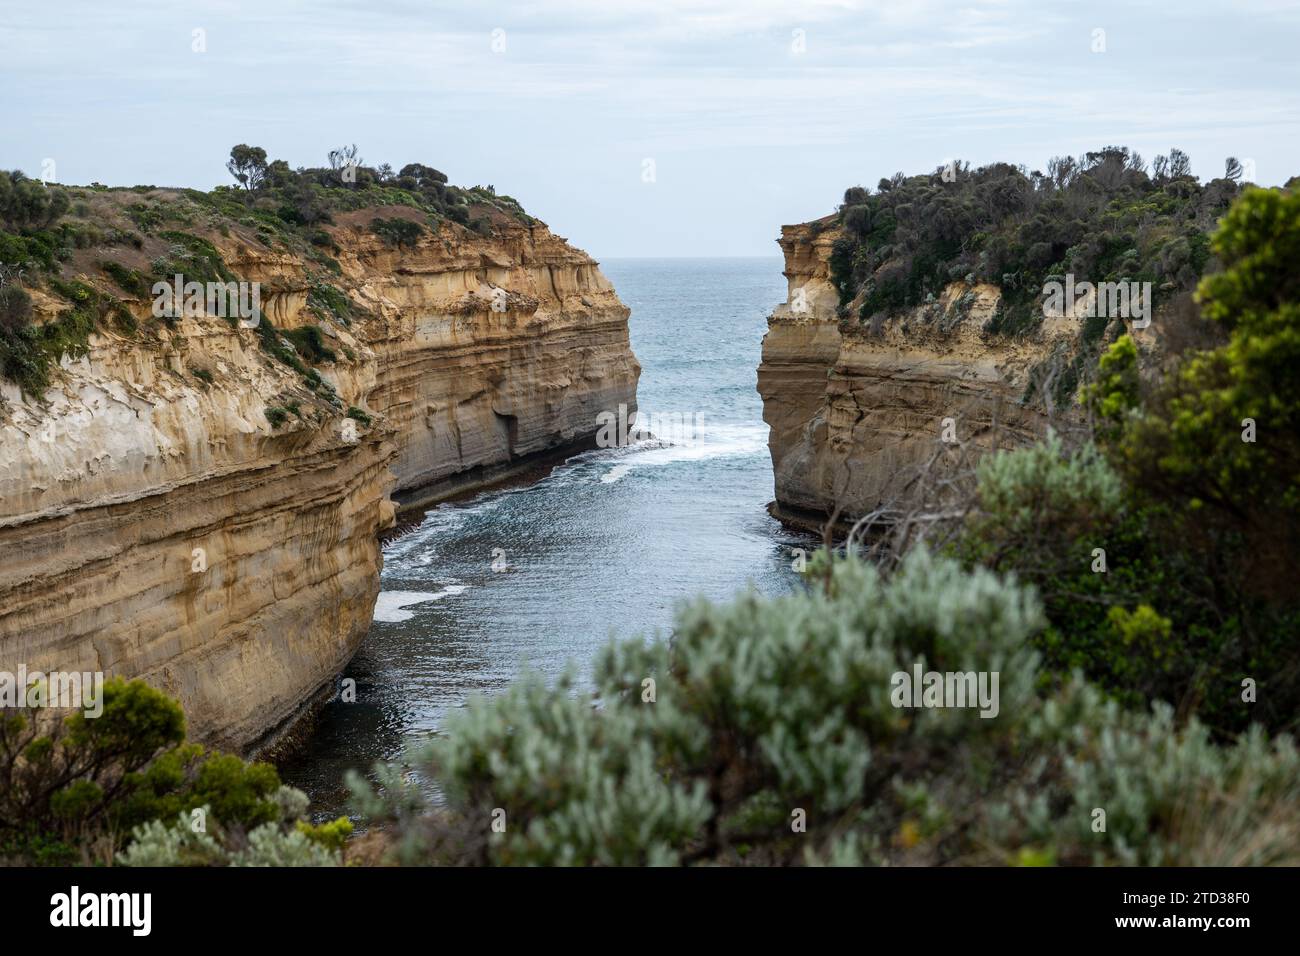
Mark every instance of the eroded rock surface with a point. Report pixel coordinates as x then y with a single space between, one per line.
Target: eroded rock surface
156 523
855 409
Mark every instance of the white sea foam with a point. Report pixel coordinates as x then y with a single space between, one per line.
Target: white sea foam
391 606
713 441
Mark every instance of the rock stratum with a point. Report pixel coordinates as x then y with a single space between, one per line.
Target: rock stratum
198 504
856 410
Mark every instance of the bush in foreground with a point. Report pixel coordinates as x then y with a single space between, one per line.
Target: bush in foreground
77 788
767 733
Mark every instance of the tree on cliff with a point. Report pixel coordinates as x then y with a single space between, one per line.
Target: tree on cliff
346 164
248 165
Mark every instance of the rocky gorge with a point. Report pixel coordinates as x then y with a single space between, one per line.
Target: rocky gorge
198 502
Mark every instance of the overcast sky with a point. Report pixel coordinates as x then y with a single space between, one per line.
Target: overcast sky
646 127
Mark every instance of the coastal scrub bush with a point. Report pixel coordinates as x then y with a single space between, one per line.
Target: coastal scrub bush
310 343
29 203
766 732
15 307
194 258
129 280
285 841
72 786
329 301
1034 501
1127 605
397 232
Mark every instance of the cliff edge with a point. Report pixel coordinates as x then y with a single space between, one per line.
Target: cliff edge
195 499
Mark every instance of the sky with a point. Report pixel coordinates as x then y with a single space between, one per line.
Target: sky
646 127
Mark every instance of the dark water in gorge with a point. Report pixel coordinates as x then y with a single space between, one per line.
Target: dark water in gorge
605 545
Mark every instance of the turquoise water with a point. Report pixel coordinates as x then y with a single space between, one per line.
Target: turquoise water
605 545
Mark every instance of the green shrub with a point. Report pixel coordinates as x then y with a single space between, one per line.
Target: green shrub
1114 394
332 835
310 343
15 307
127 279
772 709
397 232
1034 501
192 257
282 842
29 203
1130 608
38 250
329 301
72 784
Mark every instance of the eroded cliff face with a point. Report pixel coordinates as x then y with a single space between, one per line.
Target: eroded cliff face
856 410
155 521
488 352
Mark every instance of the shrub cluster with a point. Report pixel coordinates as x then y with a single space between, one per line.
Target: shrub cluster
1103 217
767 733
78 788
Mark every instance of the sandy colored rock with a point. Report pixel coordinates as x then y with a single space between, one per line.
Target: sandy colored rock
157 526
855 409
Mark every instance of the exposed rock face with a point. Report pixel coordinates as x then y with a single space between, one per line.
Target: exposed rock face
854 410
489 352
156 523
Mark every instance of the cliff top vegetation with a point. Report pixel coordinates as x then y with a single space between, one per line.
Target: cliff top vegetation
99 250
1104 216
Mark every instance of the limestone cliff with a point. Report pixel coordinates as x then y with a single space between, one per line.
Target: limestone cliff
853 408
487 352
198 503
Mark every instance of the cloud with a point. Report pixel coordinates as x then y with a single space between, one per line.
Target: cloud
719 91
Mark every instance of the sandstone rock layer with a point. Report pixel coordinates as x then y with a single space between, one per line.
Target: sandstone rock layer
857 409
155 523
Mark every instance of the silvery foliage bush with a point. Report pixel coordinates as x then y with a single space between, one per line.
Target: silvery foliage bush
1035 497
271 844
769 708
